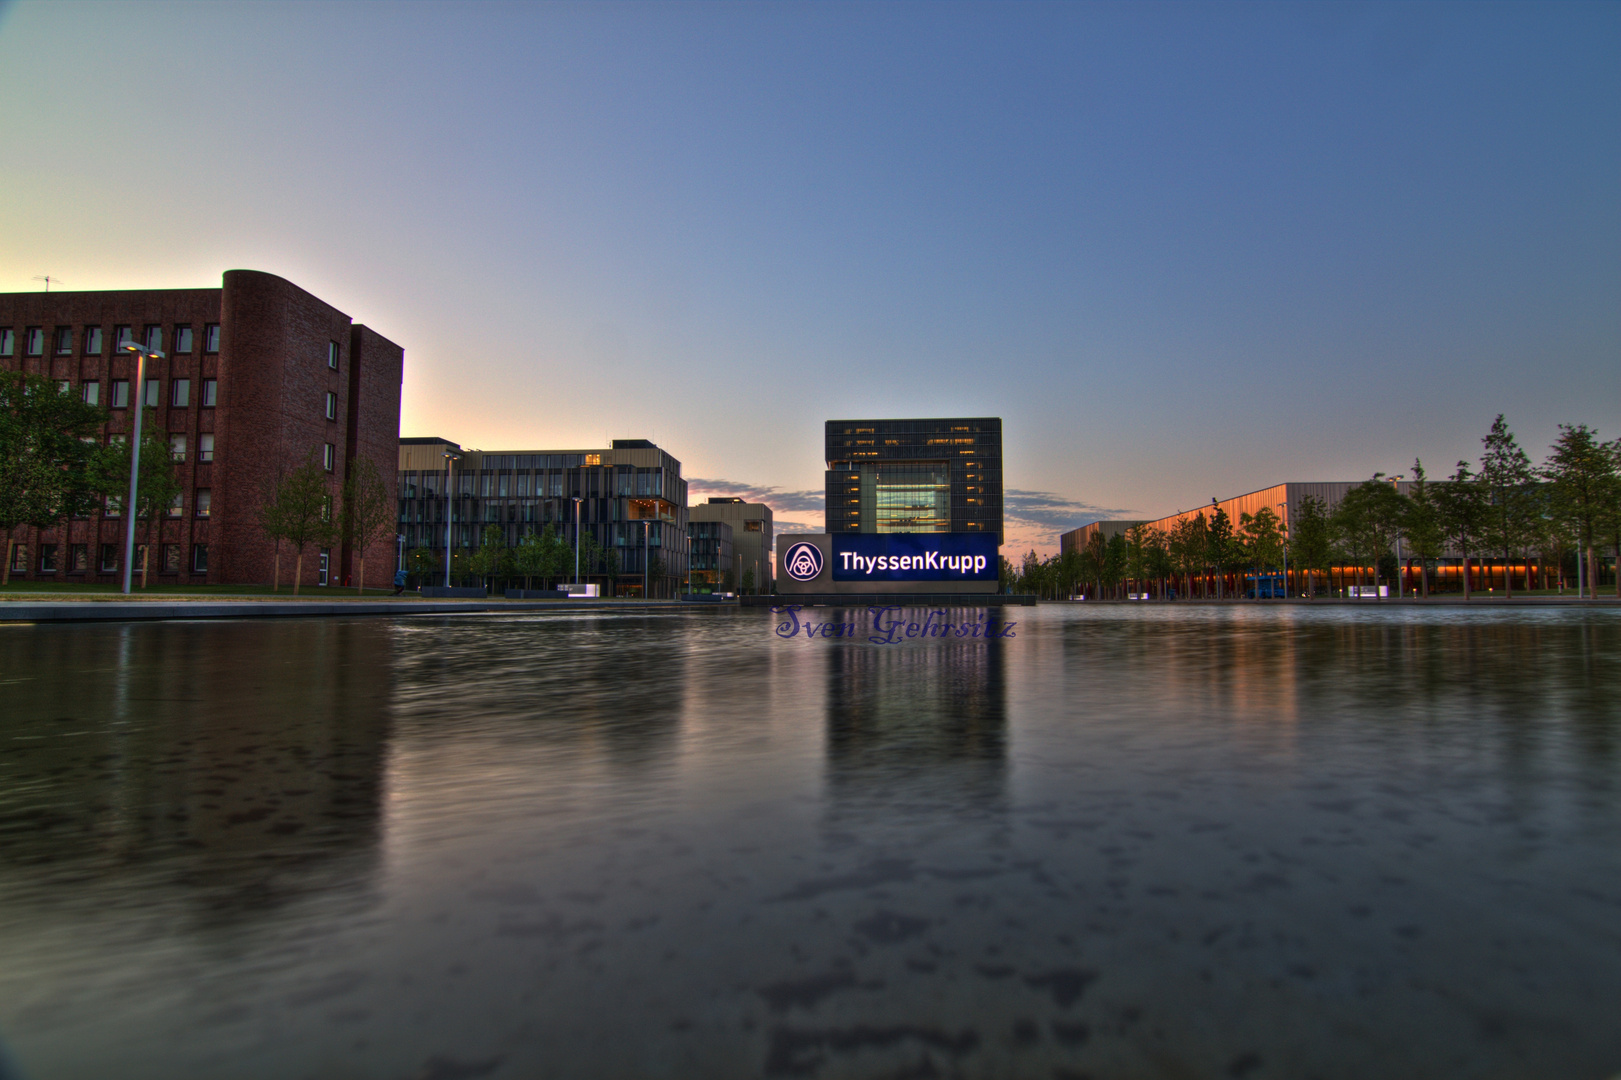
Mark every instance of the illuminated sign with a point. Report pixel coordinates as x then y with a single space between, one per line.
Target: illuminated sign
912 557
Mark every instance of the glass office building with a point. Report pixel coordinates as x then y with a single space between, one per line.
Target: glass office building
629 499
912 476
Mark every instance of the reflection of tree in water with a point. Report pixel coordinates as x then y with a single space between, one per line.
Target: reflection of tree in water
243 761
920 722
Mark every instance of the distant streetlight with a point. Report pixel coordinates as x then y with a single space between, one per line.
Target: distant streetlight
451 458
142 354
576 499
647 565
400 565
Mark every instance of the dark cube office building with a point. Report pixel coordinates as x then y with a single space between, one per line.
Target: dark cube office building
915 476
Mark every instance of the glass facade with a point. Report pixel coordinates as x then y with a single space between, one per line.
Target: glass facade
901 476
632 506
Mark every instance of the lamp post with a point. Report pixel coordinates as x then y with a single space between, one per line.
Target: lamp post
576 500
142 353
1283 519
450 507
647 565
400 563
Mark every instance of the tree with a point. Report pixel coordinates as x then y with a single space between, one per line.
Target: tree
486 559
1006 576
51 464
1096 561
1157 560
1368 520
1507 476
1422 528
1114 563
1462 510
1188 542
367 511
1312 540
1262 535
1222 552
1582 472
157 485
655 568
422 563
748 579
299 511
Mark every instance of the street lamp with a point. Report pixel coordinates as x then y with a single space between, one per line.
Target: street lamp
647 565
450 507
400 564
142 353
576 500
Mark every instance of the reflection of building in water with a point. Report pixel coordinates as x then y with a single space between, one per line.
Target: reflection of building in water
249 782
920 720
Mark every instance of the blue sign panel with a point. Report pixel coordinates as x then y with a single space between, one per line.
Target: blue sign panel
914 557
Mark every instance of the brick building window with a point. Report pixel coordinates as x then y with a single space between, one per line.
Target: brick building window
199 558
329 456
210 392
171 558
331 405
33 341
63 386
109 558
19 559
64 341
182 339
122 335
113 506
154 339
205 446
78 558
8 341
120 394
332 355
92 392
180 393
204 502
177 505
177 447
92 341
152 393
47 558
211 338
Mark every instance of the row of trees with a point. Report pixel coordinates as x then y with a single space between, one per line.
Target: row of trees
1506 508
546 556
297 509
54 467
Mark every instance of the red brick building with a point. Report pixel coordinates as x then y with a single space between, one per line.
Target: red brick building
258 375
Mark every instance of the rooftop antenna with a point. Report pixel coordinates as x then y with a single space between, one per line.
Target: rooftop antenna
47 279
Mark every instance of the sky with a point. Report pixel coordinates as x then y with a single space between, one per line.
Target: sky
1182 251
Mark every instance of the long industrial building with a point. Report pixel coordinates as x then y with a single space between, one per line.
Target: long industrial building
1486 571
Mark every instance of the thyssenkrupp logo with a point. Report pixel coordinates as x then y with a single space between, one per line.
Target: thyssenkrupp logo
804 561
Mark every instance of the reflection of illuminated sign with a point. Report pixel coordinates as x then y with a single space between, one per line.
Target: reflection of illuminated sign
803 561
914 557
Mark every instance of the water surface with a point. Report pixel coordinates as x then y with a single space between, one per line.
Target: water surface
1112 842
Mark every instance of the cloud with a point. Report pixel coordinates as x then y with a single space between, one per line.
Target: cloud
1039 516
779 500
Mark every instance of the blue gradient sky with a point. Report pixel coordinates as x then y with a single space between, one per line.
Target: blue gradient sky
1183 251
